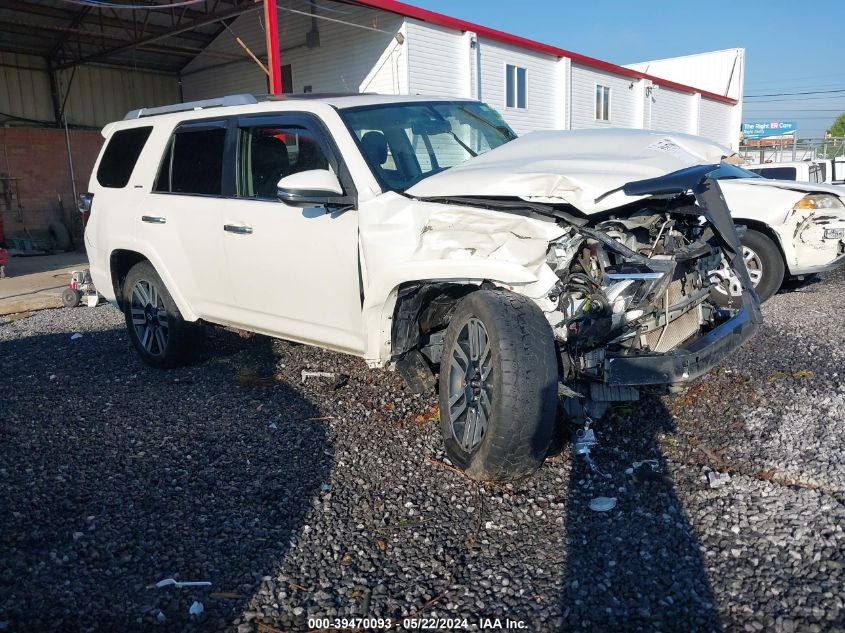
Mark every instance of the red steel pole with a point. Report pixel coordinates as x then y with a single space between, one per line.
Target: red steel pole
271 21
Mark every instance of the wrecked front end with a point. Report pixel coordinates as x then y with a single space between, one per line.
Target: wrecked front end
633 308
629 302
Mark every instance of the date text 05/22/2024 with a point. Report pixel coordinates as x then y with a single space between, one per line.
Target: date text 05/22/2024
416 624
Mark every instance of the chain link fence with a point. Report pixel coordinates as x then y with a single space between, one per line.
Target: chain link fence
785 150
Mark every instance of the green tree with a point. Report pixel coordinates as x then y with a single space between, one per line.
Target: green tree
833 146
838 127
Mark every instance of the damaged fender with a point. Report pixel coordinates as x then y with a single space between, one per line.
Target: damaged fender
404 240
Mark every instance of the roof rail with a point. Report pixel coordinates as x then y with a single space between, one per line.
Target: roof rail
229 100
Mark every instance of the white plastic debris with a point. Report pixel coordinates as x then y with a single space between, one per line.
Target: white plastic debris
75 336
316 374
171 582
603 504
717 480
161 617
196 608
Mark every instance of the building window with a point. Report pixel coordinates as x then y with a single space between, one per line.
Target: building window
514 86
602 103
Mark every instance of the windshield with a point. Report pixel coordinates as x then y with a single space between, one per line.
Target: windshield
729 171
406 142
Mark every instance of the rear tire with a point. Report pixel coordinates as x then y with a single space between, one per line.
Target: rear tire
498 386
59 236
156 328
765 265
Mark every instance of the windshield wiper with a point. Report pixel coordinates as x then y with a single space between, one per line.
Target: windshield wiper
501 129
462 144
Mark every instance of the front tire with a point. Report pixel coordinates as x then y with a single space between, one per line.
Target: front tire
498 386
765 267
156 328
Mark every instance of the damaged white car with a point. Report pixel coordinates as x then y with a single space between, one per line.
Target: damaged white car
788 229
420 234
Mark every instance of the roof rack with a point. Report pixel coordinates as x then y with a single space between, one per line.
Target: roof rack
230 100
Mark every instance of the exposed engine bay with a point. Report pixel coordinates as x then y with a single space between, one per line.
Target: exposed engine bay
632 284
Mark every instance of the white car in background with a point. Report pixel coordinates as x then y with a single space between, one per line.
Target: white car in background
792 229
800 170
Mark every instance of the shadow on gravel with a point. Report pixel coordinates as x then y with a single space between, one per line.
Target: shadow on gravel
114 476
637 567
793 284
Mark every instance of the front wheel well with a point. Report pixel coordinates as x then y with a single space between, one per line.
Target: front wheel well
423 309
120 263
765 229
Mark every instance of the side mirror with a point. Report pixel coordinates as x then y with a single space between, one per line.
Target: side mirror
314 187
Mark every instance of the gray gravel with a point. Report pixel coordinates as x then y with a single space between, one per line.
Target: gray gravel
332 498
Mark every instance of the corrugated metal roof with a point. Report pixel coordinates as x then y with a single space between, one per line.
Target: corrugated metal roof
67 34
166 40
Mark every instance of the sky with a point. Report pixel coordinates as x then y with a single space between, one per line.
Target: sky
790 46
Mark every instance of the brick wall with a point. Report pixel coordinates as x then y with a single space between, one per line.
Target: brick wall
38 158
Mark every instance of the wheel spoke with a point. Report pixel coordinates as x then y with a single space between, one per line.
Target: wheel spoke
485 363
153 296
755 275
455 412
472 335
138 317
469 428
459 355
481 412
161 340
141 293
455 397
147 339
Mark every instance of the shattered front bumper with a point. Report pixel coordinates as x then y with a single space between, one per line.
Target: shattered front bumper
688 362
823 268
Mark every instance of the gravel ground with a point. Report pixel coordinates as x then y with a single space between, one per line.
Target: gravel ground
331 498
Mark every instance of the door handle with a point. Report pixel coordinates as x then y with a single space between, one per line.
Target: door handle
240 229
153 219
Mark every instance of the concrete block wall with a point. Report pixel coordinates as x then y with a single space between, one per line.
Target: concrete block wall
38 158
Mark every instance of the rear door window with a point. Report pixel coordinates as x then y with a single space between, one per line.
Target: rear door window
120 156
193 162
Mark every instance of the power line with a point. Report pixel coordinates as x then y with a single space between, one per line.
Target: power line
777 109
794 99
785 94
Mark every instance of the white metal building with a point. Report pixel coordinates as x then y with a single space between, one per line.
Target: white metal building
390 47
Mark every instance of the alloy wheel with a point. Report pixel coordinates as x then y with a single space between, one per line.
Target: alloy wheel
753 263
470 369
149 317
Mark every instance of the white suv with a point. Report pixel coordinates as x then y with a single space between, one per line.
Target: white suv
420 234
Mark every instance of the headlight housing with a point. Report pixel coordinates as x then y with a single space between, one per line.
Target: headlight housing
820 201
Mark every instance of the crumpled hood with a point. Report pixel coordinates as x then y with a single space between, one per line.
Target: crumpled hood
576 167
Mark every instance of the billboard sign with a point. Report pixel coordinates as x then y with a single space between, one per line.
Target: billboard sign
767 129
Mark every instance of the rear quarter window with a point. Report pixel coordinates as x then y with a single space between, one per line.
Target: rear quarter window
119 158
